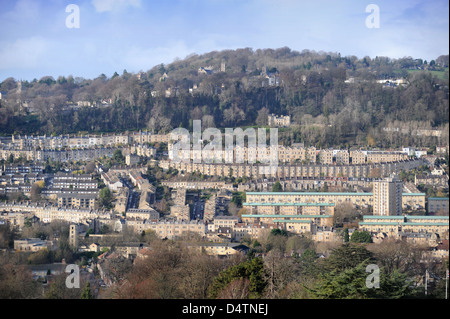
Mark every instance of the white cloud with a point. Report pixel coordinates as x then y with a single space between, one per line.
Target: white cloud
25 10
114 5
23 53
137 58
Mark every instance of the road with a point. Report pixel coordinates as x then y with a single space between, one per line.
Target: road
198 209
133 199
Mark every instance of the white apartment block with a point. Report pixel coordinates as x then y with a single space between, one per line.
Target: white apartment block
387 197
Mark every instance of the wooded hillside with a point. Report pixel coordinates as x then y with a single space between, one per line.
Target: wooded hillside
332 100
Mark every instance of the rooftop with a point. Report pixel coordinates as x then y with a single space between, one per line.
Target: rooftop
325 193
288 204
285 216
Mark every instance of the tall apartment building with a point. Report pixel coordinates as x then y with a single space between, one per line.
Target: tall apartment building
73 236
387 197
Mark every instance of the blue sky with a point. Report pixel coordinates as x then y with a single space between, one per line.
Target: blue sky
138 34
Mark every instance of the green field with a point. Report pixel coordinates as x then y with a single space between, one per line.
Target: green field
443 75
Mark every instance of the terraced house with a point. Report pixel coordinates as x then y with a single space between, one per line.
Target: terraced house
394 225
409 200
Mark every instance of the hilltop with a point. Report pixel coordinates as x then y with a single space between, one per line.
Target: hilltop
332 100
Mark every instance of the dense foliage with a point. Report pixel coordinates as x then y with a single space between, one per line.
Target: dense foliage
278 265
312 89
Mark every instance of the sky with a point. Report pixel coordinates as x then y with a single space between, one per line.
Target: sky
38 37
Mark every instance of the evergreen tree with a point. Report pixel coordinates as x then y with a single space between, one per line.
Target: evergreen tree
86 293
277 187
351 283
361 237
348 255
346 236
251 270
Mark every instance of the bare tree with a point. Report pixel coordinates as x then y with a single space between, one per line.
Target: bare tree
237 289
344 212
263 114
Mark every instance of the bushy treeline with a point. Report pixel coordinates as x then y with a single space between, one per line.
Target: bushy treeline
345 272
278 265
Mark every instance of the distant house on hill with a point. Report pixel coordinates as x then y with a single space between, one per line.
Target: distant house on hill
205 70
278 120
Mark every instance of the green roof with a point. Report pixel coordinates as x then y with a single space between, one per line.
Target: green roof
307 193
427 217
285 216
425 224
325 193
403 224
379 223
402 217
288 204
381 217
292 221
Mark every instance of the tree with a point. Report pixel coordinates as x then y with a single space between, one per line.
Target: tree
398 255
277 187
350 283
360 237
278 232
297 245
344 212
238 198
348 255
242 211
105 198
86 293
252 270
307 263
42 256
104 229
279 272
238 288
118 157
36 190
7 235
346 235
90 167
233 209
198 272
116 269
58 289
158 276
262 117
